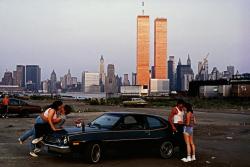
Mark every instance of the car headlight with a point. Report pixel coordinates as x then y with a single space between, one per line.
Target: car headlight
65 140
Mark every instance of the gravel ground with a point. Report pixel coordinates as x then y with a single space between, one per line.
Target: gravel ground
222 139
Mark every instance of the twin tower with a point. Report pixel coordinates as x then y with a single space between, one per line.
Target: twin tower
143 50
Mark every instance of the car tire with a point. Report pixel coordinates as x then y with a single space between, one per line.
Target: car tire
166 149
93 153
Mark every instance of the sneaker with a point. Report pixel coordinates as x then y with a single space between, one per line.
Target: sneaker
189 159
184 160
20 141
37 150
37 140
193 158
33 154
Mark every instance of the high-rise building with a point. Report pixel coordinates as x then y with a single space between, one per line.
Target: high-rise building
33 77
160 48
230 69
185 75
110 81
102 74
126 81
53 80
143 46
90 82
7 78
171 73
133 78
20 75
68 79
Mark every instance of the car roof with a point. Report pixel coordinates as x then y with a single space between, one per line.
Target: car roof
131 113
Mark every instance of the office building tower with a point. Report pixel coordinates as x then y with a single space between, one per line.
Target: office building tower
133 78
126 81
230 69
102 74
7 78
143 49
90 82
185 75
53 80
20 75
160 48
171 73
111 87
33 77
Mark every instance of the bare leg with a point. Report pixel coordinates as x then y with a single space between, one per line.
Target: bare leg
192 144
186 137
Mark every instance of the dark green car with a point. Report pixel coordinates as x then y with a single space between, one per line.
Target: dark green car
120 132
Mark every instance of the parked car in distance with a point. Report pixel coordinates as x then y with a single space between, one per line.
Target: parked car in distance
135 102
120 132
20 107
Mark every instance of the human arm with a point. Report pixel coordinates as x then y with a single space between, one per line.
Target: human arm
170 119
188 117
50 119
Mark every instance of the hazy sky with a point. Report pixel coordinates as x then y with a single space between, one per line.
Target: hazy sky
63 34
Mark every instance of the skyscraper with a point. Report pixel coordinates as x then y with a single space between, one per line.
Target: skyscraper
160 48
143 45
33 77
133 78
90 82
20 75
53 80
126 80
102 74
230 69
7 79
110 81
185 74
171 73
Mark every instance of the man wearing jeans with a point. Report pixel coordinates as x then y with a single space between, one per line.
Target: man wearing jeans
176 120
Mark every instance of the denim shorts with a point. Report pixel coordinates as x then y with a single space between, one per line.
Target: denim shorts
188 130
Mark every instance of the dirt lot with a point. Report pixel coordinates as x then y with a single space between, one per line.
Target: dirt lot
222 139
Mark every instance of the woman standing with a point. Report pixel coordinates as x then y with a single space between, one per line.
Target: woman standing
189 120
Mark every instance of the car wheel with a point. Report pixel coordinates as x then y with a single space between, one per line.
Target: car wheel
93 152
166 149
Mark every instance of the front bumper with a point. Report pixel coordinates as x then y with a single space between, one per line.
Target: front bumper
58 149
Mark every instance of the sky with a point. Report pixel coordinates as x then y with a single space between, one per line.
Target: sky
73 34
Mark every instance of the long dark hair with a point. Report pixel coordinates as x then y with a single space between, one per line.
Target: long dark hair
55 105
189 107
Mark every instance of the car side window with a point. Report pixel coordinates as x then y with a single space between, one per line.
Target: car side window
14 102
129 120
132 123
154 123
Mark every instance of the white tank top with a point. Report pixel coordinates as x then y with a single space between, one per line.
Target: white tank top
46 114
179 116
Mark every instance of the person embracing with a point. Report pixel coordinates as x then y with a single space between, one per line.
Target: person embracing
189 121
176 120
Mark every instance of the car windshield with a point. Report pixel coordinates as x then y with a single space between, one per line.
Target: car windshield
106 121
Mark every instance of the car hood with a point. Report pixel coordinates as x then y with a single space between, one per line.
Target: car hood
73 130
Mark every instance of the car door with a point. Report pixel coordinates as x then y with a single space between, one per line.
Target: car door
14 106
130 133
157 129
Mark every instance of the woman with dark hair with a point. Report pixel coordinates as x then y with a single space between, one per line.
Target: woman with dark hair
189 121
47 120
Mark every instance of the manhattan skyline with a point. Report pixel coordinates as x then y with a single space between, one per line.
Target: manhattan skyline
64 35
